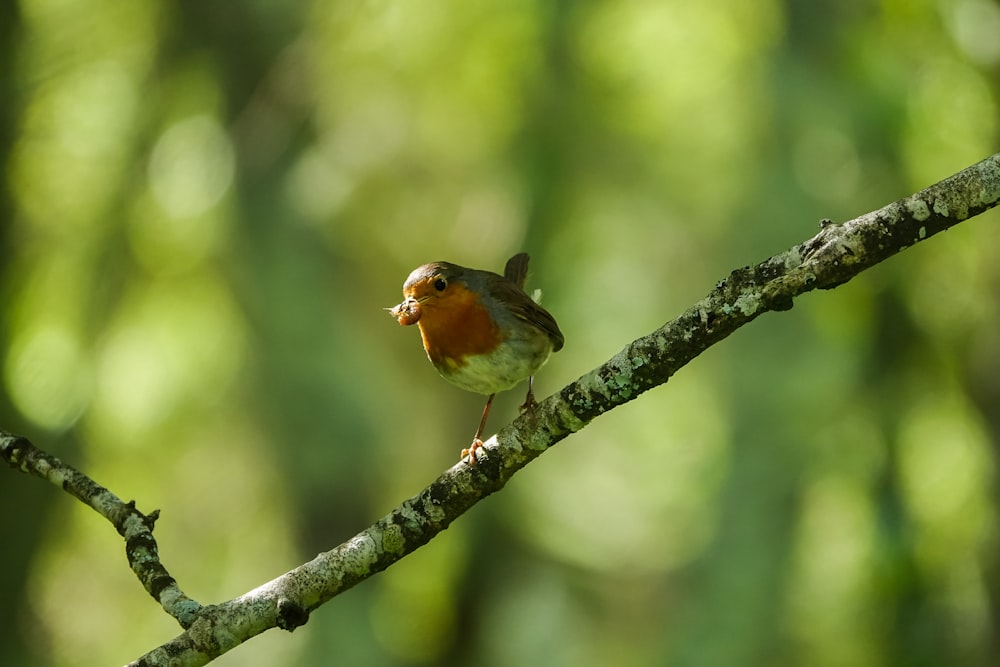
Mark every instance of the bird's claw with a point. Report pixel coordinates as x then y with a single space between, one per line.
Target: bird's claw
471 451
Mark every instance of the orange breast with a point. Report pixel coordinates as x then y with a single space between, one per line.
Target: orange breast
455 326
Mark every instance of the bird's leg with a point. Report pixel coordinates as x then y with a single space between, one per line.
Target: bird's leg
529 400
477 442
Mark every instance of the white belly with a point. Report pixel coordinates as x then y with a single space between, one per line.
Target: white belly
512 362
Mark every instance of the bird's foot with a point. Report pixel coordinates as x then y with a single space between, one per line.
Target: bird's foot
471 451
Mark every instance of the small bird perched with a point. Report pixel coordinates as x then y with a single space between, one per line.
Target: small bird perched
481 330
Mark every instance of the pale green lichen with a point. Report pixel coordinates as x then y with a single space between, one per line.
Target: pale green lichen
623 383
569 418
792 259
918 208
360 552
435 512
941 207
748 303
393 541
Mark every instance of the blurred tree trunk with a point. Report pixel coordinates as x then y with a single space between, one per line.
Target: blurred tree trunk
18 492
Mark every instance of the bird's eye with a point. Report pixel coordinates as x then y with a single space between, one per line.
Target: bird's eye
440 284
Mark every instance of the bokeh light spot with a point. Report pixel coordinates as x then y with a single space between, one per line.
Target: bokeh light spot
192 167
48 377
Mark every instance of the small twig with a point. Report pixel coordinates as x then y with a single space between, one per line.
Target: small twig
133 525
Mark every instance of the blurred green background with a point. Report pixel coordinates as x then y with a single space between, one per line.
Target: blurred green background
205 206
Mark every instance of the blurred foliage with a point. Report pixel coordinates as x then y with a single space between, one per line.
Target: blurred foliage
206 204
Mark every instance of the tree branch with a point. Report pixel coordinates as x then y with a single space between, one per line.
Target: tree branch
136 527
831 258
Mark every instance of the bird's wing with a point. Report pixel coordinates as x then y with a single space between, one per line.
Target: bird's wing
522 307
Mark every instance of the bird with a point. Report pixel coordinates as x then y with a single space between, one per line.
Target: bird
480 330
